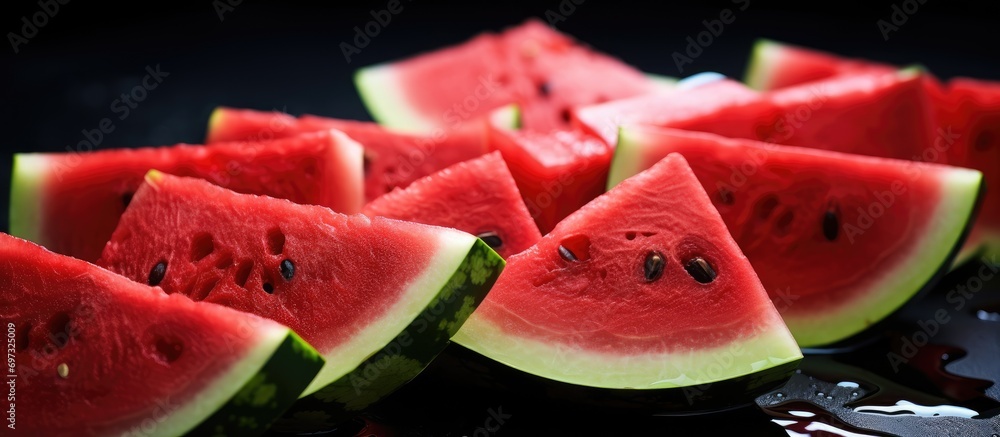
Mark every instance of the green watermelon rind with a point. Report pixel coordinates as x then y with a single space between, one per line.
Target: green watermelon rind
255 392
948 225
26 196
770 347
761 65
385 99
416 344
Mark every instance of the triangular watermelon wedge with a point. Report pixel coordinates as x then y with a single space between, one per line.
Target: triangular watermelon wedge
378 298
93 353
839 241
532 65
478 196
71 202
776 65
641 289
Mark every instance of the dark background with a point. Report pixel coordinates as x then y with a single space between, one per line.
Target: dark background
286 56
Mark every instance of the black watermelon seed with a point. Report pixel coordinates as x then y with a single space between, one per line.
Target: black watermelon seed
544 89
653 267
268 288
831 225
565 115
491 239
700 270
566 254
127 199
156 275
287 270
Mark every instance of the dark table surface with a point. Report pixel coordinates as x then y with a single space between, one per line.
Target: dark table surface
286 56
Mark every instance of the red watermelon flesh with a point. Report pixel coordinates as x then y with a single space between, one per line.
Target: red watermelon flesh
839 241
603 120
556 172
347 284
885 115
970 120
605 299
71 202
542 71
392 159
98 354
776 65
478 196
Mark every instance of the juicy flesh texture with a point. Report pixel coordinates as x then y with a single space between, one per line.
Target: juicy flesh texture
392 159
546 73
603 303
788 65
127 347
885 115
603 120
228 249
971 110
477 196
556 172
85 194
780 225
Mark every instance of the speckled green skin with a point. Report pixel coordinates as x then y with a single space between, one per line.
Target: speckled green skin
268 394
407 355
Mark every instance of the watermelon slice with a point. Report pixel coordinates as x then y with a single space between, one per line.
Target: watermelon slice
378 298
839 241
642 289
970 118
531 65
392 159
97 354
71 202
556 172
477 196
603 120
776 65
885 115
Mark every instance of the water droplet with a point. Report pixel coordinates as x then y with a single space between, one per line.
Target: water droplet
779 395
820 394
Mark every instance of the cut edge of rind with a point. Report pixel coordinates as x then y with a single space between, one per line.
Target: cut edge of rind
386 100
769 347
27 198
760 66
949 224
453 248
217 395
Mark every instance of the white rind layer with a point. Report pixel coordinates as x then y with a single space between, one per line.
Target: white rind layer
386 100
453 248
